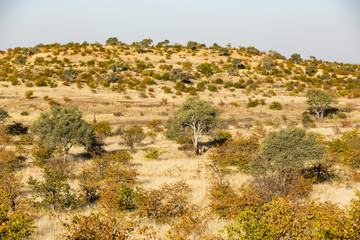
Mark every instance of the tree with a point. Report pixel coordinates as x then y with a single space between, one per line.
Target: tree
319 102
290 149
63 127
223 52
267 65
296 58
194 118
71 74
237 62
145 43
132 135
311 69
192 45
118 67
206 69
21 60
346 149
3 115
112 41
54 190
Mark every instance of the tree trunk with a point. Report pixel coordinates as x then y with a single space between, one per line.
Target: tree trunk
65 155
196 143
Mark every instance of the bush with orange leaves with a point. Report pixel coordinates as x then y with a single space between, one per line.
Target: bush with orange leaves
286 219
109 179
165 203
237 152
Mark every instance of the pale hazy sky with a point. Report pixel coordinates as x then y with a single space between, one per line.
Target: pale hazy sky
326 29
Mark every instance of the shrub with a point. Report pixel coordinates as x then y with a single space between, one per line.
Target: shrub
226 202
96 226
54 190
16 129
254 103
237 152
118 114
109 177
15 224
275 106
306 119
346 149
165 203
132 135
206 69
153 153
29 94
212 88
283 218
103 128
233 71
3 115
219 137
155 125
290 149
341 115
24 113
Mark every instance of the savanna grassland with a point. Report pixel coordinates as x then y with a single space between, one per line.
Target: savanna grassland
277 157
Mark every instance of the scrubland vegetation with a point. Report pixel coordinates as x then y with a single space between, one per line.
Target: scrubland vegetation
161 141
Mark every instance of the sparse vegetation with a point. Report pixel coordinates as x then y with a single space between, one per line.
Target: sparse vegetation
259 171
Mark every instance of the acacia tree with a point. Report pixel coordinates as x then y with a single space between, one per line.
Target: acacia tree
319 101
193 118
63 127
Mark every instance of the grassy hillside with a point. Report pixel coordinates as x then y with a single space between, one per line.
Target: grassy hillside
162 189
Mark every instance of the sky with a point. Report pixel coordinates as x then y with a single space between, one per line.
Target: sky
326 29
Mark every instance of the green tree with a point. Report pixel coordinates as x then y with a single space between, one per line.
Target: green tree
3 115
319 102
311 69
21 60
63 127
290 149
267 65
70 74
237 62
206 69
141 46
223 52
118 67
132 135
192 45
296 58
193 118
112 41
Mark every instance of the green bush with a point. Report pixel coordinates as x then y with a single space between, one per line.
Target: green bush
29 94
212 88
275 106
341 115
153 153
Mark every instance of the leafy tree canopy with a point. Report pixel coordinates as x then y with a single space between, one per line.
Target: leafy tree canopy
290 148
62 127
193 118
319 101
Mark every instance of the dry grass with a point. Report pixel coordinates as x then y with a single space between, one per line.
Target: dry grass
174 165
